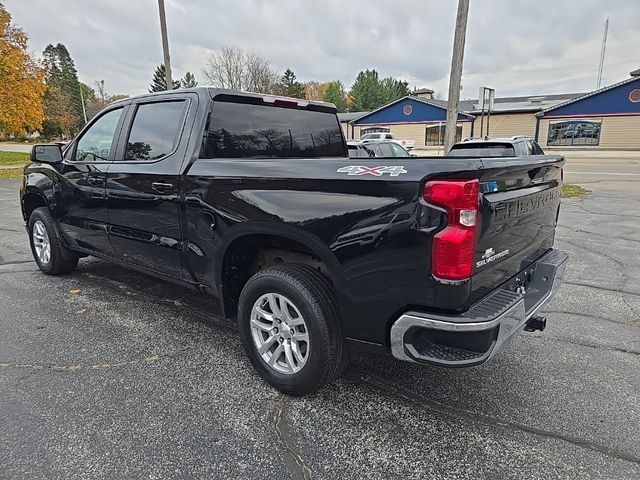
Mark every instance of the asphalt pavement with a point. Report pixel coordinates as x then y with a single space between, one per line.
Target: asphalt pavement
618 171
107 373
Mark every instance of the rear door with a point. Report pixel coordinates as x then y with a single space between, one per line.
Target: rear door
143 183
520 201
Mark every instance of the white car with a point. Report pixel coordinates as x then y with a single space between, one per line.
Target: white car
379 136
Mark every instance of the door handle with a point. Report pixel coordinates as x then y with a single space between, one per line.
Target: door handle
96 181
162 187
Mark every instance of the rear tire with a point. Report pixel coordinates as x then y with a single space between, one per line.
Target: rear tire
52 258
290 328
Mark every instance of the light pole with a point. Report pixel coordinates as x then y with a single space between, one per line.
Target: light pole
456 74
165 45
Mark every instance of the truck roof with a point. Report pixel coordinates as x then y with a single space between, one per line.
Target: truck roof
215 91
514 139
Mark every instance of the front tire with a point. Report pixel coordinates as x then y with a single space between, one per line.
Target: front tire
289 325
52 258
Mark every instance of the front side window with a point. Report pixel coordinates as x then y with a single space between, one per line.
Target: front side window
95 144
248 130
574 132
434 135
155 130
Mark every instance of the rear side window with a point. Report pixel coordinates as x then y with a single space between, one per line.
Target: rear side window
399 151
244 130
155 130
385 150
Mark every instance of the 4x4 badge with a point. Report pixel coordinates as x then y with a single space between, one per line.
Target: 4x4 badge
392 170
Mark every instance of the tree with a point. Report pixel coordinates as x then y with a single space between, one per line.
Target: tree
96 101
21 81
365 92
189 80
315 90
289 86
62 100
393 89
232 68
335 94
159 81
370 92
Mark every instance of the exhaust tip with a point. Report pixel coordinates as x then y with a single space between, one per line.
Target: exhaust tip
536 323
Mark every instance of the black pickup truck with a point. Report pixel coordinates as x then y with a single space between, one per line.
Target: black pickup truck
254 199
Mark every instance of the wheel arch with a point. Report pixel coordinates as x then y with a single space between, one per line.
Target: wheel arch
32 199
258 246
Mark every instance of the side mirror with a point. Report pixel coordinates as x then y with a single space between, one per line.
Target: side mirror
46 153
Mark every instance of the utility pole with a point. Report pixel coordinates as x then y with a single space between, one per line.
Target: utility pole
456 74
165 45
84 109
602 50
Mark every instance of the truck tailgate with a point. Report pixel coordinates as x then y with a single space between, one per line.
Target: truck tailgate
520 200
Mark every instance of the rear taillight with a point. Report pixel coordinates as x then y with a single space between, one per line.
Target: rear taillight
453 249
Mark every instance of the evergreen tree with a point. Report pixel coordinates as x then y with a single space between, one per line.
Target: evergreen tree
366 93
63 104
289 86
393 89
370 92
335 94
159 82
189 80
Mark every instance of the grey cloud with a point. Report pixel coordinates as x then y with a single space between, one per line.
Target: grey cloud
511 44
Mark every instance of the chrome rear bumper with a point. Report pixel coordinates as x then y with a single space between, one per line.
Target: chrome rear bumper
475 336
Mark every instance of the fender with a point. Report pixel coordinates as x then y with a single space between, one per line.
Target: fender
288 232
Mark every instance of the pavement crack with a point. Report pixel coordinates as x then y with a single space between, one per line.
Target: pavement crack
585 344
422 401
610 237
616 290
96 366
294 462
621 265
16 262
595 317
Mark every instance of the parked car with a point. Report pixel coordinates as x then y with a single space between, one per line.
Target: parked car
254 200
359 150
496 147
386 136
377 149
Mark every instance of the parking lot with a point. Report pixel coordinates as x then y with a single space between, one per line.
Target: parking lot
106 373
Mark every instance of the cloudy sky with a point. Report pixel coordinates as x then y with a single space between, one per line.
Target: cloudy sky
519 47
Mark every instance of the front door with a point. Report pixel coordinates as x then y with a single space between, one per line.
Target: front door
80 195
143 184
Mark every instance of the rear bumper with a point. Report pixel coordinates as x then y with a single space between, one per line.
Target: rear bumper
475 336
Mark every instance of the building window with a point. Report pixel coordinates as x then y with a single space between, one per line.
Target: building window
364 131
434 135
574 132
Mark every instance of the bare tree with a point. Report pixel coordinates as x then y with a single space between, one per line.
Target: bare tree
260 75
232 68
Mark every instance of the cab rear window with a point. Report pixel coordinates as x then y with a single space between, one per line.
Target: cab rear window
248 130
482 150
